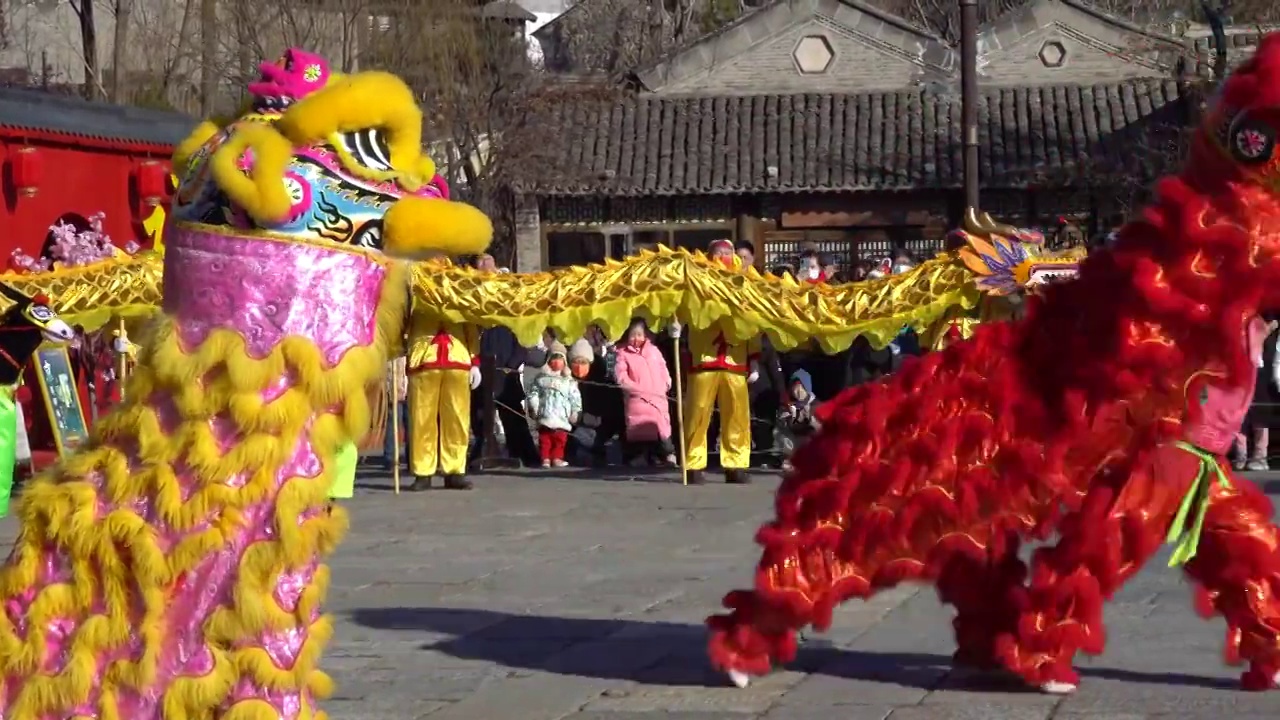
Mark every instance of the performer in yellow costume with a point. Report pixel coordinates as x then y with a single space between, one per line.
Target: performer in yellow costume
718 377
444 367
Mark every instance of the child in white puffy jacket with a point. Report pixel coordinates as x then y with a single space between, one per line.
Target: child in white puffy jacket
555 404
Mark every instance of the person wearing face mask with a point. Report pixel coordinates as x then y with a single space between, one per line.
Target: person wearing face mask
642 374
555 404
719 373
811 267
829 371
443 368
601 419
882 269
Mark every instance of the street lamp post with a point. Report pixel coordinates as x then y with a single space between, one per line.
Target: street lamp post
969 98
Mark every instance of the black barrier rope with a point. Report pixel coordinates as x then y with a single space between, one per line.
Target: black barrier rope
713 446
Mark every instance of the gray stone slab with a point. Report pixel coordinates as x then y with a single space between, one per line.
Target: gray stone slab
658 715
972 712
539 697
831 690
829 712
584 600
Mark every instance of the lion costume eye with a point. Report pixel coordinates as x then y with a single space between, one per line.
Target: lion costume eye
40 314
369 148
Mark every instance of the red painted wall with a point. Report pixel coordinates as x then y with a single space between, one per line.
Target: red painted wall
77 175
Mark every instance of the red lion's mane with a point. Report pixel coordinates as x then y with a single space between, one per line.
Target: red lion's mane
986 441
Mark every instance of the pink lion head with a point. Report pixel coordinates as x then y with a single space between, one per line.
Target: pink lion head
294 76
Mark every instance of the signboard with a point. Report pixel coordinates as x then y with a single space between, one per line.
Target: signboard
61 398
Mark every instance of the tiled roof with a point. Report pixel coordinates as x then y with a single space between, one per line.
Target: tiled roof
50 112
798 143
1241 42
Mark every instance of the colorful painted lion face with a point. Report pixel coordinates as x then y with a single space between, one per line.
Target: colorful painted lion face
1007 260
323 157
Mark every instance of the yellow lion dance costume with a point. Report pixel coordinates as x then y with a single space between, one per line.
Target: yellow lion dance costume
172 568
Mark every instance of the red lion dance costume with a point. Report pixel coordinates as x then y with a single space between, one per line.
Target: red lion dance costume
1067 421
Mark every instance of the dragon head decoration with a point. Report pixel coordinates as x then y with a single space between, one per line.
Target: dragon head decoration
1007 260
322 157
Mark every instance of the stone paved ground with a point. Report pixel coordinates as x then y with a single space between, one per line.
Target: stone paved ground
581 599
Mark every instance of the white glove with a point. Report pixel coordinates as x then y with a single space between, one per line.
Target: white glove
542 344
674 329
754 373
894 349
475 377
120 345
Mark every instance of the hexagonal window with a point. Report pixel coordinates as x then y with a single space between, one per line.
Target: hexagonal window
813 54
1053 54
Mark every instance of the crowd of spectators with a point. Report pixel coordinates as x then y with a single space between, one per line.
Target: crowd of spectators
624 403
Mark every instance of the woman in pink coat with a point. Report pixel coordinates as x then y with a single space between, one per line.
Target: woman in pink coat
641 372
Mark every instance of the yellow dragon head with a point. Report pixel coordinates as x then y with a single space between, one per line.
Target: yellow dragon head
324 157
1007 260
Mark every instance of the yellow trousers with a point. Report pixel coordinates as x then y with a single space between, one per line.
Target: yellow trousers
439 421
728 390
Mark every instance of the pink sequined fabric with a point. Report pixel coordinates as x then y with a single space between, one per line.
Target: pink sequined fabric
267 290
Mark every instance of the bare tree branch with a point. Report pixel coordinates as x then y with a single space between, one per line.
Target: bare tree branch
208 56
88 47
616 37
120 49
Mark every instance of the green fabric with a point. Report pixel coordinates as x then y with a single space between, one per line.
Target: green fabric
344 472
8 446
1186 539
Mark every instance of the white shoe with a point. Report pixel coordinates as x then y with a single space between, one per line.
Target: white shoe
546 463
1257 466
739 678
559 463
1054 687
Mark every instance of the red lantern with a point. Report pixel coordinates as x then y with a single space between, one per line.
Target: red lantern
153 183
28 168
